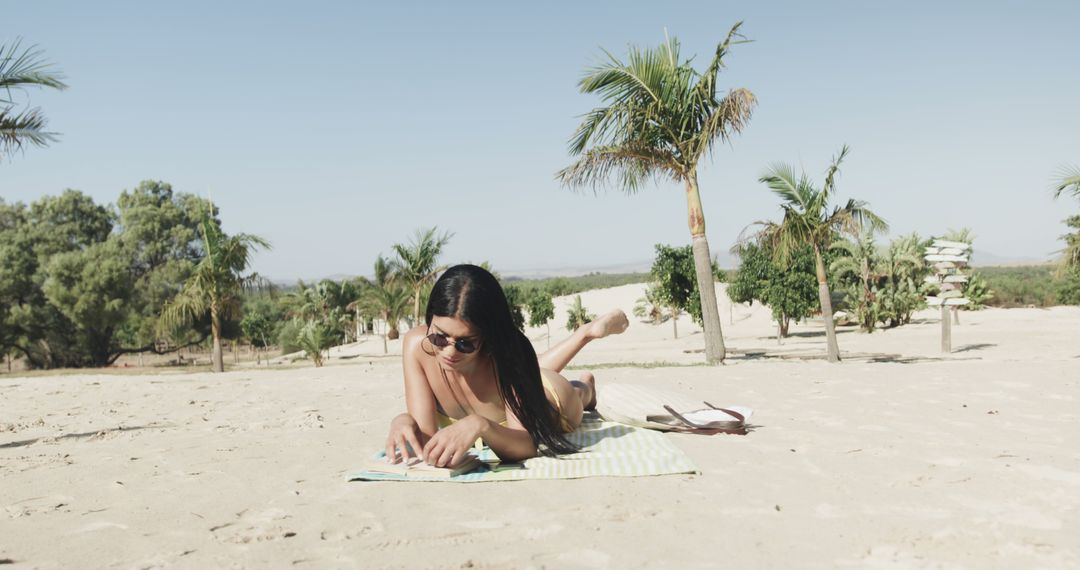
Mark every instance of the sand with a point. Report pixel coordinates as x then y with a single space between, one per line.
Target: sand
898 457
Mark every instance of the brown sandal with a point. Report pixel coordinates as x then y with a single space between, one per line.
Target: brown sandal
679 422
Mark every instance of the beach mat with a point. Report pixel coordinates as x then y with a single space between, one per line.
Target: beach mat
608 449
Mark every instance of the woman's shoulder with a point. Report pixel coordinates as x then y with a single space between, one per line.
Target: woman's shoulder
410 343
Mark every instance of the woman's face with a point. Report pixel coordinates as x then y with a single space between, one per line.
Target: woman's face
459 334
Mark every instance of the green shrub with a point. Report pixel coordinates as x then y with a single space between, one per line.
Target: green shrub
287 336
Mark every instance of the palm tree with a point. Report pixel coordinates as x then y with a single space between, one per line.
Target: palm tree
314 337
650 305
577 315
903 274
807 221
387 297
417 263
1070 182
860 259
662 118
20 68
1070 256
216 285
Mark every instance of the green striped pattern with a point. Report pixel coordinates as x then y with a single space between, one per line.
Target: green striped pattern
608 449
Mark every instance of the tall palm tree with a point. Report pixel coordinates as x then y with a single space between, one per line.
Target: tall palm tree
418 263
808 221
216 285
662 118
23 68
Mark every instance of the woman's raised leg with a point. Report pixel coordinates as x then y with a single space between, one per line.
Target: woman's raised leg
556 358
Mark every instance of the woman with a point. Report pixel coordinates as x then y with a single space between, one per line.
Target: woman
471 375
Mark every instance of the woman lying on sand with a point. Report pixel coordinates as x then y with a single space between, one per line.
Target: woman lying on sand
470 374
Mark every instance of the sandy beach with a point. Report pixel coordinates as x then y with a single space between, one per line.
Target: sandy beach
899 457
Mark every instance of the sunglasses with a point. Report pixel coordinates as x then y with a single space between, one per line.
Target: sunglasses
463 345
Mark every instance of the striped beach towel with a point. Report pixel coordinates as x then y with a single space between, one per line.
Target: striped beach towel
608 449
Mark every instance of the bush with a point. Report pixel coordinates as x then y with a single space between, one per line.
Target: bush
287 336
1036 285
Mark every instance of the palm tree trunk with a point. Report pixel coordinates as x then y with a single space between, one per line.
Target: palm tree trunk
675 324
386 334
715 352
416 306
826 307
217 363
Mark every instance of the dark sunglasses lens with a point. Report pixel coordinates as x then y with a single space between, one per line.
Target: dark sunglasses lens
440 341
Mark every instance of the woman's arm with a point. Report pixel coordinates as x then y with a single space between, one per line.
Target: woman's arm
413 429
419 399
509 443
451 444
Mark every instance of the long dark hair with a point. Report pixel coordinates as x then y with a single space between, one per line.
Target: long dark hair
472 294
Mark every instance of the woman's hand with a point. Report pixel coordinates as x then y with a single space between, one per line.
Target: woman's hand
404 432
449 445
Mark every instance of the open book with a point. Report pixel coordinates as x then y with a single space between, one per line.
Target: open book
416 467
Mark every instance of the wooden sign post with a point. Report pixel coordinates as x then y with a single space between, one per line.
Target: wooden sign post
948 258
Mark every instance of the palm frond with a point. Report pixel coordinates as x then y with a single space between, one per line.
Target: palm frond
598 124
1069 182
631 165
20 67
728 117
963 235
27 127
830 175
847 246
618 82
706 87
855 218
780 178
842 266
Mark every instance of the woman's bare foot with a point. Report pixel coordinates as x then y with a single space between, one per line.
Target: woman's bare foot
612 322
587 384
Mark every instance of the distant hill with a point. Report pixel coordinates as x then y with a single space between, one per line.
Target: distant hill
727 261
988 259
724 259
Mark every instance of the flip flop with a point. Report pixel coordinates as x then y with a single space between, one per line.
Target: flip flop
709 420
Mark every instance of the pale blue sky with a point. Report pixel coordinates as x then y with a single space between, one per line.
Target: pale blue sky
335 129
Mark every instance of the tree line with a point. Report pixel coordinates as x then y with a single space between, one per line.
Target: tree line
660 119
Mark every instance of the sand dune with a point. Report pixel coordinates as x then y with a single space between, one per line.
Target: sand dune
898 457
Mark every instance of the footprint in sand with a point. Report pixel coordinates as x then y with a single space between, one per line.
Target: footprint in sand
38 506
363 531
263 526
308 418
